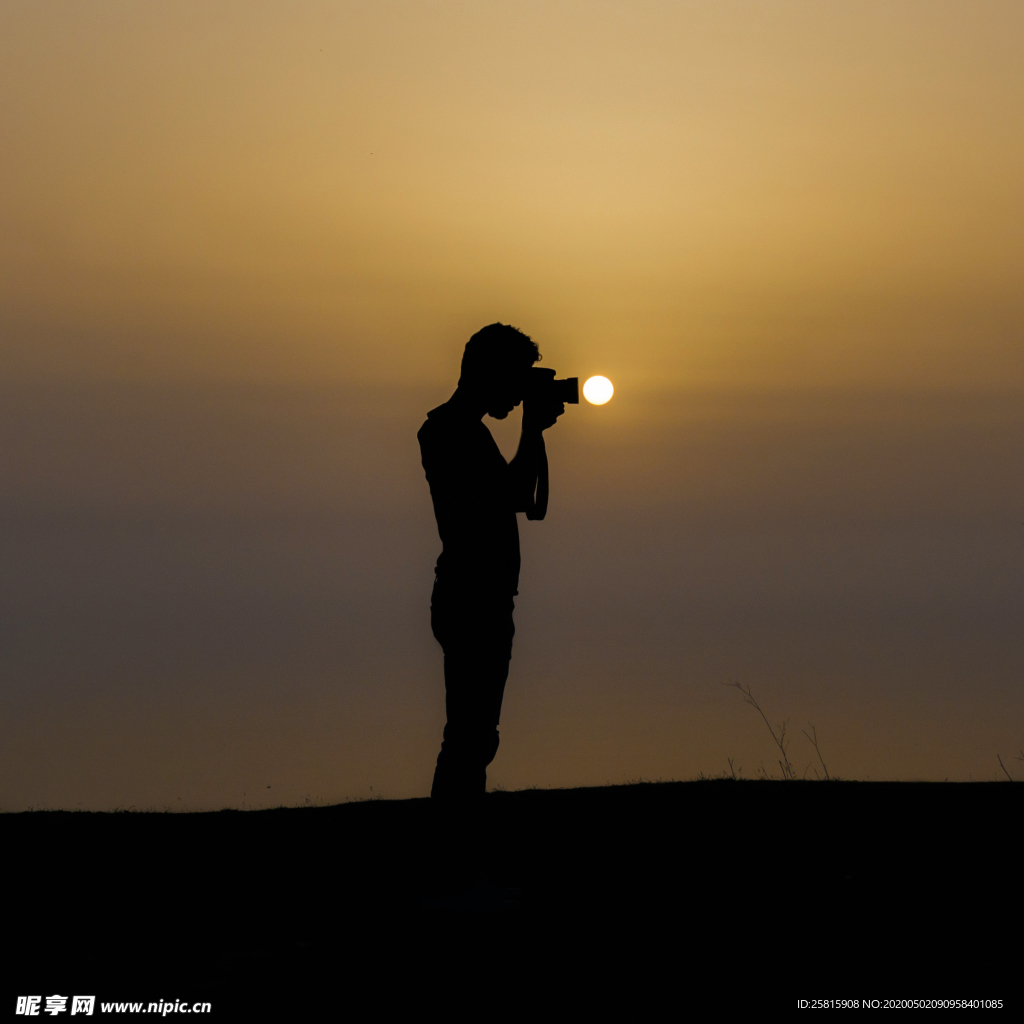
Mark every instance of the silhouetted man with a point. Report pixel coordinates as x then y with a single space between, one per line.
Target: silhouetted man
476 496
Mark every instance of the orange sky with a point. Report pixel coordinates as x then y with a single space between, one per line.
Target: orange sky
241 247
761 193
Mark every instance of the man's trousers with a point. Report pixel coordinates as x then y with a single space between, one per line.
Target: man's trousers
475 632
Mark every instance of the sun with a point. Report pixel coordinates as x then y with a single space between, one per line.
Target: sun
597 390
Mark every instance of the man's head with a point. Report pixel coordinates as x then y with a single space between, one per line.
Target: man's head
496 365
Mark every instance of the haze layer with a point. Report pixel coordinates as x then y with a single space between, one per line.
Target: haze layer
241 251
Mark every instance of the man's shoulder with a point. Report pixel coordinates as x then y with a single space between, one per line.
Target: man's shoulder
436 417
438 422
446 424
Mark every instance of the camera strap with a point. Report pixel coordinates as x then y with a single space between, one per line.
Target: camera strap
538 508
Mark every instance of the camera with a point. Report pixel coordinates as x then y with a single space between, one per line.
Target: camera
542 387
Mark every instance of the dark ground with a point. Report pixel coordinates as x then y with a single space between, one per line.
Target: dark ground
712 895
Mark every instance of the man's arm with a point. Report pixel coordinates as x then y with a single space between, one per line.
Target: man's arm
529 467
526 467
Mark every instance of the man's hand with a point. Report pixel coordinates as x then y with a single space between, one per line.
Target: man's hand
539 415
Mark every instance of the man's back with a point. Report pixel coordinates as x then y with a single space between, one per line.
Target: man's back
471 488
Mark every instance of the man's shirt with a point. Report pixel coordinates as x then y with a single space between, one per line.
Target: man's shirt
474 504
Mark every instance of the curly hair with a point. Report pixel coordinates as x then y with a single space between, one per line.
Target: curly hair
496 347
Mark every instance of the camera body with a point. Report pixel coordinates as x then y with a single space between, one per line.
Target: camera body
542 387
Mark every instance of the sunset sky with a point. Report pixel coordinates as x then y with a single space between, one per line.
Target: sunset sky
241 248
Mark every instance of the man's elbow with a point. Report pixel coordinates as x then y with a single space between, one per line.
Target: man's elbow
526 500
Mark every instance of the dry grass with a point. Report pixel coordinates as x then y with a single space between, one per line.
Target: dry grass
782 741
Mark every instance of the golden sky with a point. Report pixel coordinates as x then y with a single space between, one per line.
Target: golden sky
673 193
241 248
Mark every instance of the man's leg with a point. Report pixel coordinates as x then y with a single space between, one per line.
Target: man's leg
477 642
